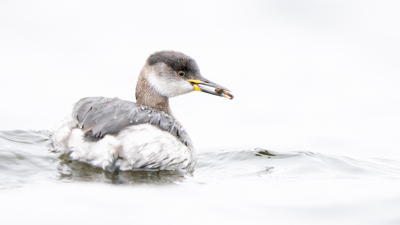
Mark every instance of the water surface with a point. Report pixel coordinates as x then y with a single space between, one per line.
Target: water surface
234 185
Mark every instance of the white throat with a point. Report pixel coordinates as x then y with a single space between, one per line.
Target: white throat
168 87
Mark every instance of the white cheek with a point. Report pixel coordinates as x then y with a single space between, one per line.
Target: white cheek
169 87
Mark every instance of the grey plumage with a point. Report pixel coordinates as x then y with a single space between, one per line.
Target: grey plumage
99 116
111 133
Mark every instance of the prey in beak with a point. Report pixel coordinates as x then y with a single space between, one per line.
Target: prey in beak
211 88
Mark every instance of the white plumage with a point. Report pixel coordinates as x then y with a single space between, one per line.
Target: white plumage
136 147
117 134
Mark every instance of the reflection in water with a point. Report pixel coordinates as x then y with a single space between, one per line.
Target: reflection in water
73 170
25 156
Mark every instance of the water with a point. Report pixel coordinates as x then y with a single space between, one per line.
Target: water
254 186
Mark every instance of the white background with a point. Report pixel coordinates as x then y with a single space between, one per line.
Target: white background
320 76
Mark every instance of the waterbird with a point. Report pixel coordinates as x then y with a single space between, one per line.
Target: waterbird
118 134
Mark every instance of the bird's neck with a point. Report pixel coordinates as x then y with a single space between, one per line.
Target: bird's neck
147 95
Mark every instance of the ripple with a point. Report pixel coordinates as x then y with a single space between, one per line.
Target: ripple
26 156
294 165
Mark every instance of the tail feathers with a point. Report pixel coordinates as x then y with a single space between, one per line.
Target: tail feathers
62 134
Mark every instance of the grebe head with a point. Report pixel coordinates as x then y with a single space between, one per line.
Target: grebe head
172 73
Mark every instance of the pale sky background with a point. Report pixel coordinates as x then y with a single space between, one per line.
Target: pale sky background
320 76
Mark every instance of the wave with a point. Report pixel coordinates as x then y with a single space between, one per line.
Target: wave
26 156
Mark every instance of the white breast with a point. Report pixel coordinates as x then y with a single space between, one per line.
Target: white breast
147 146
135 147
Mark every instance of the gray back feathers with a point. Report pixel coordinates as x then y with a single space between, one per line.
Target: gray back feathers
100 116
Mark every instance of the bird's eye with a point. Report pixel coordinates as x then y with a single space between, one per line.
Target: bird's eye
181 73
